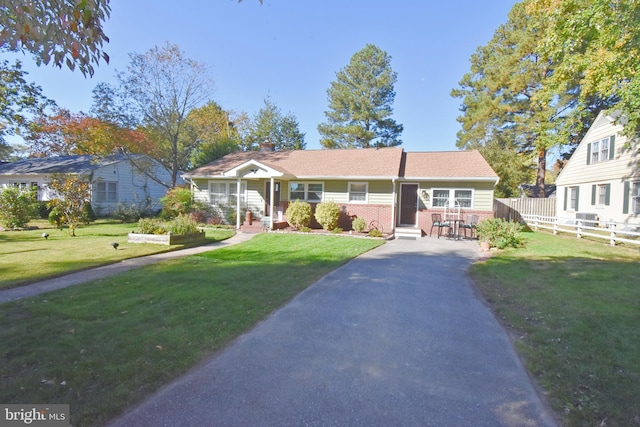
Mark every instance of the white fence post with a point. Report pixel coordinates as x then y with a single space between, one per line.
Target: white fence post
555 225
579 230
612 228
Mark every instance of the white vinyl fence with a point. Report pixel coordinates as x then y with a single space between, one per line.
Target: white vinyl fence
612 231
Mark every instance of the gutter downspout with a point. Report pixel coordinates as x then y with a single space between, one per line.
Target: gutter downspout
238 187
271 196
394 205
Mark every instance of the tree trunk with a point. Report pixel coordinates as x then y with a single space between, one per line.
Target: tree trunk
542 170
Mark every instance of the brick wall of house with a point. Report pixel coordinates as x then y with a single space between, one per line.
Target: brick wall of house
382 215
425 217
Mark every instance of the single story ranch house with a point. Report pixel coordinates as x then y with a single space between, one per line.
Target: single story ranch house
391 188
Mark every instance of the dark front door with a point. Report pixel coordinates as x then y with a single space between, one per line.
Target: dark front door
267 198
408 203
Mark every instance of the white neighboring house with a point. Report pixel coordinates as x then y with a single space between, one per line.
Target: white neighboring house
114 179
601 180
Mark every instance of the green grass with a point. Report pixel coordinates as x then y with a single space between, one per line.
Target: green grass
103 346
574 309
26 257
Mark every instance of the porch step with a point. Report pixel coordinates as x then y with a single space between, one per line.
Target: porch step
411 233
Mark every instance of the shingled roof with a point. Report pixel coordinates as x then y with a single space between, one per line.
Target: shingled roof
372 163
448 164
80 165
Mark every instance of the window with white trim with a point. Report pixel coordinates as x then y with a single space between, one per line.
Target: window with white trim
358 192
635 198
440 197
226 193
106 191
573 198
595 151
602 194
306 191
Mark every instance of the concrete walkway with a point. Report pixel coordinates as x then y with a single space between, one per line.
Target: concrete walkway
111 269
396 337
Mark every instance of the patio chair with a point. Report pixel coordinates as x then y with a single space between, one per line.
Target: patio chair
436 221
470 224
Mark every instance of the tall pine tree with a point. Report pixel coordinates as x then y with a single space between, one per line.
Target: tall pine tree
360 104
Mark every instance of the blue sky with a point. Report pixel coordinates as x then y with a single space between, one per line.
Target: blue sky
290 50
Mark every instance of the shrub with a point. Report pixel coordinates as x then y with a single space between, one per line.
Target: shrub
328 214
126 213
17 207
177 201
151 226
500 233
359 225
88 215
56 217
182 224
374 232
298 214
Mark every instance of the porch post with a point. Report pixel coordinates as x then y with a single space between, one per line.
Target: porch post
393 205
271 197
238 213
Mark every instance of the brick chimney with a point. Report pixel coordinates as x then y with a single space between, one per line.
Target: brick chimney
267 146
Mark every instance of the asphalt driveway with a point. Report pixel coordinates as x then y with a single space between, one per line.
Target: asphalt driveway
397 337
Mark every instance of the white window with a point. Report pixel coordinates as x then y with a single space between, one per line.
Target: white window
464 197
595 151
106 192
440 198
602 194
573 198
306 191
635 198
604 150
442 195
225 193
358 192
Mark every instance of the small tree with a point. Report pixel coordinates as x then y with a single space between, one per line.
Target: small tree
17 207
73 194
178 200
298 214
328 214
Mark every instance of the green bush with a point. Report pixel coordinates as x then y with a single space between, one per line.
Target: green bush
17 207
374 232
126 213
56 217
359 225
328 214
298 214
500 233
177 201
151 226
88 215
182 224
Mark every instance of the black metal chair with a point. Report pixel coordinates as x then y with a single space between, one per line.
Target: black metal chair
470 224
436 221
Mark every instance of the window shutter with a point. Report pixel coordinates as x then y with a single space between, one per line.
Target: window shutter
612 148
566 193
589 153
577 199
625 200
594 190
607 196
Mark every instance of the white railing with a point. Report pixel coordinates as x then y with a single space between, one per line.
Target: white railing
612 231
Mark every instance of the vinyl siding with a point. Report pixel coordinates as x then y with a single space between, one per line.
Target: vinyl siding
614 173
482 192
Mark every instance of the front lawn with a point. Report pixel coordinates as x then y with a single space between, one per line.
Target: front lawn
26 257
573 307
103 346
